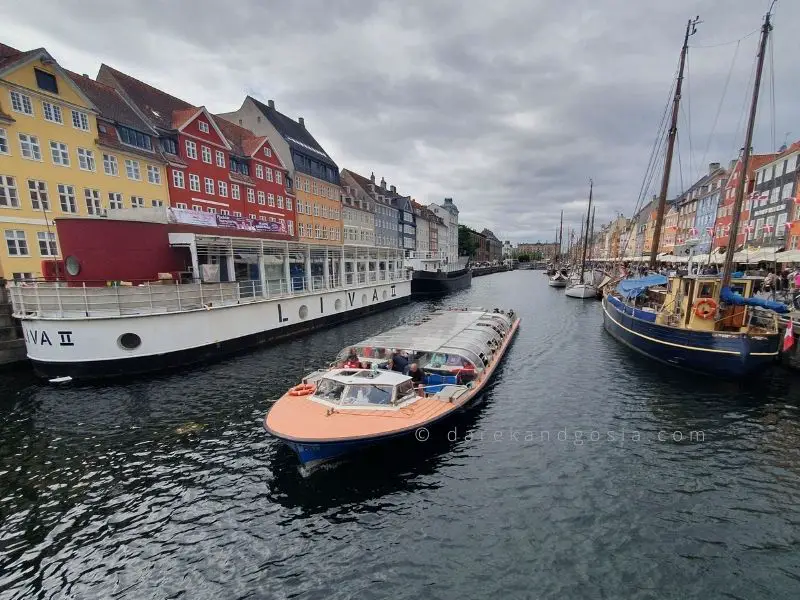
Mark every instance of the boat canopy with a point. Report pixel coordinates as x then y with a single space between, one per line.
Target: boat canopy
631 288
363 388
445 337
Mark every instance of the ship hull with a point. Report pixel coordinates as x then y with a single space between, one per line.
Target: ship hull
431 284
729 355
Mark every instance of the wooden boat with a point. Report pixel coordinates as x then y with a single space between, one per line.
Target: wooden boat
358 402
559 280
708 324
580 286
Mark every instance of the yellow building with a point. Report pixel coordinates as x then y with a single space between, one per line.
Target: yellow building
64 152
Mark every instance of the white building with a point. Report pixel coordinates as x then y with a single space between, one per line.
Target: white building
448 212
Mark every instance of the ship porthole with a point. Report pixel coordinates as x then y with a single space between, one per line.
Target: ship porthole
129 341
303 311
363 299
385 294
338 304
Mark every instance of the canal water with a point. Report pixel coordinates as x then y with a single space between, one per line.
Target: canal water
587 472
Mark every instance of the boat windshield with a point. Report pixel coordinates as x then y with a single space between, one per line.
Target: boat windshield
366 394
329 390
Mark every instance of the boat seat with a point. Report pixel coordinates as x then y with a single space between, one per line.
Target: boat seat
434 383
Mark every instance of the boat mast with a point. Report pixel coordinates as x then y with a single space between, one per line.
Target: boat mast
586 238
591 233
560 234
737 204
691 28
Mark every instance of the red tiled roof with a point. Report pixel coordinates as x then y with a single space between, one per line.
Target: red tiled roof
180 117
156 105
109 102
10 56
235 134
251 145
239 178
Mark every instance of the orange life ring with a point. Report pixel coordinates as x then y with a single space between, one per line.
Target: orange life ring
705 308
304 389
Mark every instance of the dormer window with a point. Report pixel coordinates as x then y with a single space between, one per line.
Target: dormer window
267 152
203 126
46 81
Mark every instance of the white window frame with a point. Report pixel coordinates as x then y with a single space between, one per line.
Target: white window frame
191 149
268 174
205 151
220 159
194 182
278 177
16 236
80 120
115 200
181 205
154 174
222 188
94 205
251 195
86 160
262 199
4 147
133 170
31 143
137 202
209 183
110 165
9 194
271 199
178 179
203 126
38 194
66 198
259 171
21 103
235 191
155 203
59 153
52 112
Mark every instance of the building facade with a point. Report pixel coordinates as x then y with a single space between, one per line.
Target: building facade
386 218
722 227
63 154
314 174
494 246
358 212
448 212
771 205
708 200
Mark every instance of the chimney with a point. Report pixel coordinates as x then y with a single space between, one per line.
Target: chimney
394 189
302 122
271 104
372 177
383 183
448 200
712 167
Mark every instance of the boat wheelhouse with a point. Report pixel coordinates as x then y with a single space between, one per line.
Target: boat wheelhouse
369 395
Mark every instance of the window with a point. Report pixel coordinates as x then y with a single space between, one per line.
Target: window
235 191
288 204
8 192
259 171
153 174
262 218
306 186
780 226
224 212
271 199
268 173
52 112
290 227
80 120
206 154
191 149
267 151
181 205
280 201
251 216
21 103
209 186
46 81
137 202
177 178
316 188
16 242
132 169
316 209
278 177
197 208
202 126
38 192
3 141
29 146
223 188
169 146
212 210
86 159
194 182
251 195
66 197
59 153
22 276
114 200
92 197
238 214
220 159
261 198
110 165
157 203
318 232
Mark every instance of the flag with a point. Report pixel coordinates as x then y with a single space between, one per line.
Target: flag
709 230
693 232
768 228
788 224
763 196
788 337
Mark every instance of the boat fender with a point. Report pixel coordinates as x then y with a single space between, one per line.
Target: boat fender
304 389
705 308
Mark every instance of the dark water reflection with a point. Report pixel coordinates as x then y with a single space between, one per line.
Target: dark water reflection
169 488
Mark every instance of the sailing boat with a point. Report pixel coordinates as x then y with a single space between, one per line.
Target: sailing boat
559 277
700 323
581 288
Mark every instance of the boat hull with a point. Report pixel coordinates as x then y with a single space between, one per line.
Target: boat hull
730 355
430 283
175 340
558 282
313 453
582 291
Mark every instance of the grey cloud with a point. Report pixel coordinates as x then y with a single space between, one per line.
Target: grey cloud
509 106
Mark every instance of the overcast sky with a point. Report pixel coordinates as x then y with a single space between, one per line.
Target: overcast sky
508 106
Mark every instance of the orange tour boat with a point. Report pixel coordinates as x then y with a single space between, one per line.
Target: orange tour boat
398 383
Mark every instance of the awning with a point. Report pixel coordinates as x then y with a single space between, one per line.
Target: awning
752 256
631 288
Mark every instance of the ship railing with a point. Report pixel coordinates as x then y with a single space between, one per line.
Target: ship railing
60 299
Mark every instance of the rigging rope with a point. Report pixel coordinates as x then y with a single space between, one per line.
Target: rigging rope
736 41
719 107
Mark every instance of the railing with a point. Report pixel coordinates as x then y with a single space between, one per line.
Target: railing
62 300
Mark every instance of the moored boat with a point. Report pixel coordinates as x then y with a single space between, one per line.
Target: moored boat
368 397
559 280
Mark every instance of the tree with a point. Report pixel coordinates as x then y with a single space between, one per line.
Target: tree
524 258
467 246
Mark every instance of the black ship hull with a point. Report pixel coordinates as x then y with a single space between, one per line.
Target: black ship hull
426 284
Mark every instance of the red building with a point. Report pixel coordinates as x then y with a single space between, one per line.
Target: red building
725 211
240 177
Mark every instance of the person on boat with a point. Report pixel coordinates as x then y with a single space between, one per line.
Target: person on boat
770 282
399 363
416 375
352 361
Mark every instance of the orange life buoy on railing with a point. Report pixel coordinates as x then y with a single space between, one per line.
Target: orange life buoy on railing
304 389
705 308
